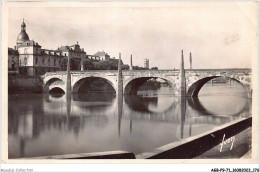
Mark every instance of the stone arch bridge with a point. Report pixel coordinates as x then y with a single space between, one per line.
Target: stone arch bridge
133 79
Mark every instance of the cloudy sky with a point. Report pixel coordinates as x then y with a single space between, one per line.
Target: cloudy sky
219 35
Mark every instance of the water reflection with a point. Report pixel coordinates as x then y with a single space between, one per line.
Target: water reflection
120 111
183 113
49 125
195 104
141 104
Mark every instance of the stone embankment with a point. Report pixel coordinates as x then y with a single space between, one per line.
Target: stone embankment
24 84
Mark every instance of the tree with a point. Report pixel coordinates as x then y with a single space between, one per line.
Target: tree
73 64
139 68
154 68
125 67
102 65
88 65
111 64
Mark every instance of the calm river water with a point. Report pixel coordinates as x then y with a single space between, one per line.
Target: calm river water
42 124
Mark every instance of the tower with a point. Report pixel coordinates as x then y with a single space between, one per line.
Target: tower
23 36
146 63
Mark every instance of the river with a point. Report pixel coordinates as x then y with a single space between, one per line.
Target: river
44 124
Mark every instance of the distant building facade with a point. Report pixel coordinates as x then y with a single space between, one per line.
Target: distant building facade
36 61
28 57
33 60
93 57
100 55
103 55
74 52
13 61
146 63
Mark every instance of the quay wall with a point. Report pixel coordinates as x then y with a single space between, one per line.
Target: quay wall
24 84
96 155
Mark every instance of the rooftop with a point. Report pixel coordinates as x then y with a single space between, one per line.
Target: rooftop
74 47
100 53
12 51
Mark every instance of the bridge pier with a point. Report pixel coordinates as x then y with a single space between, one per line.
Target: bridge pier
68 82
131 63
182 77
119 78
45 89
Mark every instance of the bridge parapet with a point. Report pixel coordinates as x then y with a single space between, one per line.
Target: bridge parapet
193 77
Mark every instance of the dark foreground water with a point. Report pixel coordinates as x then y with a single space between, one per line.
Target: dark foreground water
41 124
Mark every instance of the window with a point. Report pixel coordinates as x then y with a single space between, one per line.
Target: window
36 71
36 60
43 61
13 66
54 62
25 61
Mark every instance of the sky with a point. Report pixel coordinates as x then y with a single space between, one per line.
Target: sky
219 35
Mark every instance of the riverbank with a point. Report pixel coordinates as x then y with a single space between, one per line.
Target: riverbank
24 84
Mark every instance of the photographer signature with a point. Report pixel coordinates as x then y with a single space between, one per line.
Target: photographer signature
227 141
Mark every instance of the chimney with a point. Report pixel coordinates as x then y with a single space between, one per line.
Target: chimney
190 61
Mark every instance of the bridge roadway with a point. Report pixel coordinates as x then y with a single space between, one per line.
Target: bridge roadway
133 79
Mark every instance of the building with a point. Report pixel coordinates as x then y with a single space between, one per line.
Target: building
23 36
29 58
146 63
36 61
93 57
33 60
100 56
13 61
74 52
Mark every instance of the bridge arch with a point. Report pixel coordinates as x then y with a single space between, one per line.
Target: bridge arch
132 86
56 82
195 88
56 89
86 81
